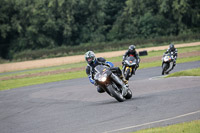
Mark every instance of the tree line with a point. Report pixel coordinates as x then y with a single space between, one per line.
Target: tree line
48 24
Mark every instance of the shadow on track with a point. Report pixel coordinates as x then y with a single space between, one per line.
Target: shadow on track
113 101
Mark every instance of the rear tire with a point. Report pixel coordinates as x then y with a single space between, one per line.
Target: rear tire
117 95
127 74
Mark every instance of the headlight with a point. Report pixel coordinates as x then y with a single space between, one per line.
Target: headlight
166 58
103 79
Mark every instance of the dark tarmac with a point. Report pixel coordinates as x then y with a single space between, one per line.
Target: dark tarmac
75 105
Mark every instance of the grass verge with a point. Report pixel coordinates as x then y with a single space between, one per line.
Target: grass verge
113 59
186 127
158 63
191 72
15 83
159 53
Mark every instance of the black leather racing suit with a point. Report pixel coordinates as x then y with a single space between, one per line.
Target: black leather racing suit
173 52
100 61
133 53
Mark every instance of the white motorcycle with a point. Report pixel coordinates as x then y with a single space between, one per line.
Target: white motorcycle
167 63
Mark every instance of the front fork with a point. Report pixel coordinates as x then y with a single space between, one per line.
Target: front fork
125 68
117 80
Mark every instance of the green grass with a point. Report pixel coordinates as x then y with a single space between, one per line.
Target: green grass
159 53
187 127
191 72
158 63
14 83
45 69
114 59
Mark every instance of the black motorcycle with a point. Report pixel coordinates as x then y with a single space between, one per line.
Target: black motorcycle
167 63
129 67
109 81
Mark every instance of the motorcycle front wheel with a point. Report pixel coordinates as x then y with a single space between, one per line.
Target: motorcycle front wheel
127 74
164 68
116 94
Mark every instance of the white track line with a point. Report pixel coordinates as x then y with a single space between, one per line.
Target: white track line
157 77
130 127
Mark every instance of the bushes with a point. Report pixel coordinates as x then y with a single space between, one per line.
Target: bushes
100 47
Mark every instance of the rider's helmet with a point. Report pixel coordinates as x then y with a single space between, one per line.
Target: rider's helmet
90 57
131 48
171 47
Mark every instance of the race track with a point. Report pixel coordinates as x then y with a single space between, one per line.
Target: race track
74 106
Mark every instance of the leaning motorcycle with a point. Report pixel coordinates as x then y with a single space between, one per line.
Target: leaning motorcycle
167 63
129 67
106 79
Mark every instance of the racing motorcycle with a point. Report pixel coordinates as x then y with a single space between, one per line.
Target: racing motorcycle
167 63
129 67
109 81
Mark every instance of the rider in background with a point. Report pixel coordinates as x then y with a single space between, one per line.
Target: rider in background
132 52
172 50
93 62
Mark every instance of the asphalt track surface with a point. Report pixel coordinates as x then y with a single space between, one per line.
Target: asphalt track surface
74 106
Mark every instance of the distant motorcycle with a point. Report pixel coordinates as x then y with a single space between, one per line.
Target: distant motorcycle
106 79
129 67
167 63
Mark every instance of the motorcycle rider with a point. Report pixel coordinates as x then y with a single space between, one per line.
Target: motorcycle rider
93 62
131 52
174 52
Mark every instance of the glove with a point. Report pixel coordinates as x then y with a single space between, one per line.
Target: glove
91 80
95 83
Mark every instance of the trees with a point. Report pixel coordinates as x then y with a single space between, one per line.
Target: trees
54 23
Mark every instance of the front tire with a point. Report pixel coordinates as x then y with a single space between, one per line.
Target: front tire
164 67
116 94
127 74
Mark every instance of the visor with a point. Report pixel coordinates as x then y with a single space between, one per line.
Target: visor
89 59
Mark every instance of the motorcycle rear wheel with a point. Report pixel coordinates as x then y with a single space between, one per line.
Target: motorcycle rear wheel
129 94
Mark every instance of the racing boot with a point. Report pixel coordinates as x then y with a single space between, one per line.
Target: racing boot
174 63
123 79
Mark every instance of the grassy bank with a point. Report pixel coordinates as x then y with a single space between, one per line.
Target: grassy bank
191 72
187 127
